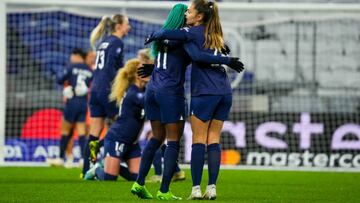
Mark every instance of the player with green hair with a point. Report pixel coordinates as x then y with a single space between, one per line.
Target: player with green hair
175 20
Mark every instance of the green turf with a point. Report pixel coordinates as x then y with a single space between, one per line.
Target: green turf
63 185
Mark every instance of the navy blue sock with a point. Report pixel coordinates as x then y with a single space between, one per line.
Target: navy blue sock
87 154
125 173
197 162
157 162
163 148
147 158
64 141
100 173
214 159
82 141
108 177
170 162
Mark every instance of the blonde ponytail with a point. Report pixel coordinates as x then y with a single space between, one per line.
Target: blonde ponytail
99 30
106 24
123 79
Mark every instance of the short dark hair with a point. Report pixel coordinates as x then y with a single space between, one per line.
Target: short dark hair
80 52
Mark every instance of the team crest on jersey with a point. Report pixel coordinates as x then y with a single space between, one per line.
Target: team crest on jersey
118 50
140 95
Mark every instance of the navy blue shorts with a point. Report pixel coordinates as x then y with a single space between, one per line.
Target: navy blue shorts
101 107
165 108
75 111
121 150
208 107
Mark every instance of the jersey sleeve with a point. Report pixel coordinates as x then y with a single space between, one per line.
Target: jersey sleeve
200 55
172 43
183 34
63 75
118 51
115 59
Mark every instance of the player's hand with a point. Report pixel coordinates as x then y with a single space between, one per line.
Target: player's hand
68 92
145 70
236 64
149 39
225 50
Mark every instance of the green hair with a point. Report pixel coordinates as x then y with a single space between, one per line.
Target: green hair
175 20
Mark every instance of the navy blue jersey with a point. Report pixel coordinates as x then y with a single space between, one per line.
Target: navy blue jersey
205 78
75 74
109 59
131 117
171 62
169 74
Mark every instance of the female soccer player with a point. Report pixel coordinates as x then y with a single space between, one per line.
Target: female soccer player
120 142
165 102
109 58
211 95
78 77
145 57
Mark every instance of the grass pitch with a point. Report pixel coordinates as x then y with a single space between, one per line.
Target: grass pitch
63 185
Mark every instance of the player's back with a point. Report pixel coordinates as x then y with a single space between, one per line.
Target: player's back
109 59
131 116
169 73
75 75
80 73
204 78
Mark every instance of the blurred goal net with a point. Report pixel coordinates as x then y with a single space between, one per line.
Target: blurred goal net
296 105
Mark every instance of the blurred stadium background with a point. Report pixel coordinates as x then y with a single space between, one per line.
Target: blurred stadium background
297 105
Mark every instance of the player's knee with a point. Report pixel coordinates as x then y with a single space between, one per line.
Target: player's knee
134 169
173 137
213 138
199 138
159 137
